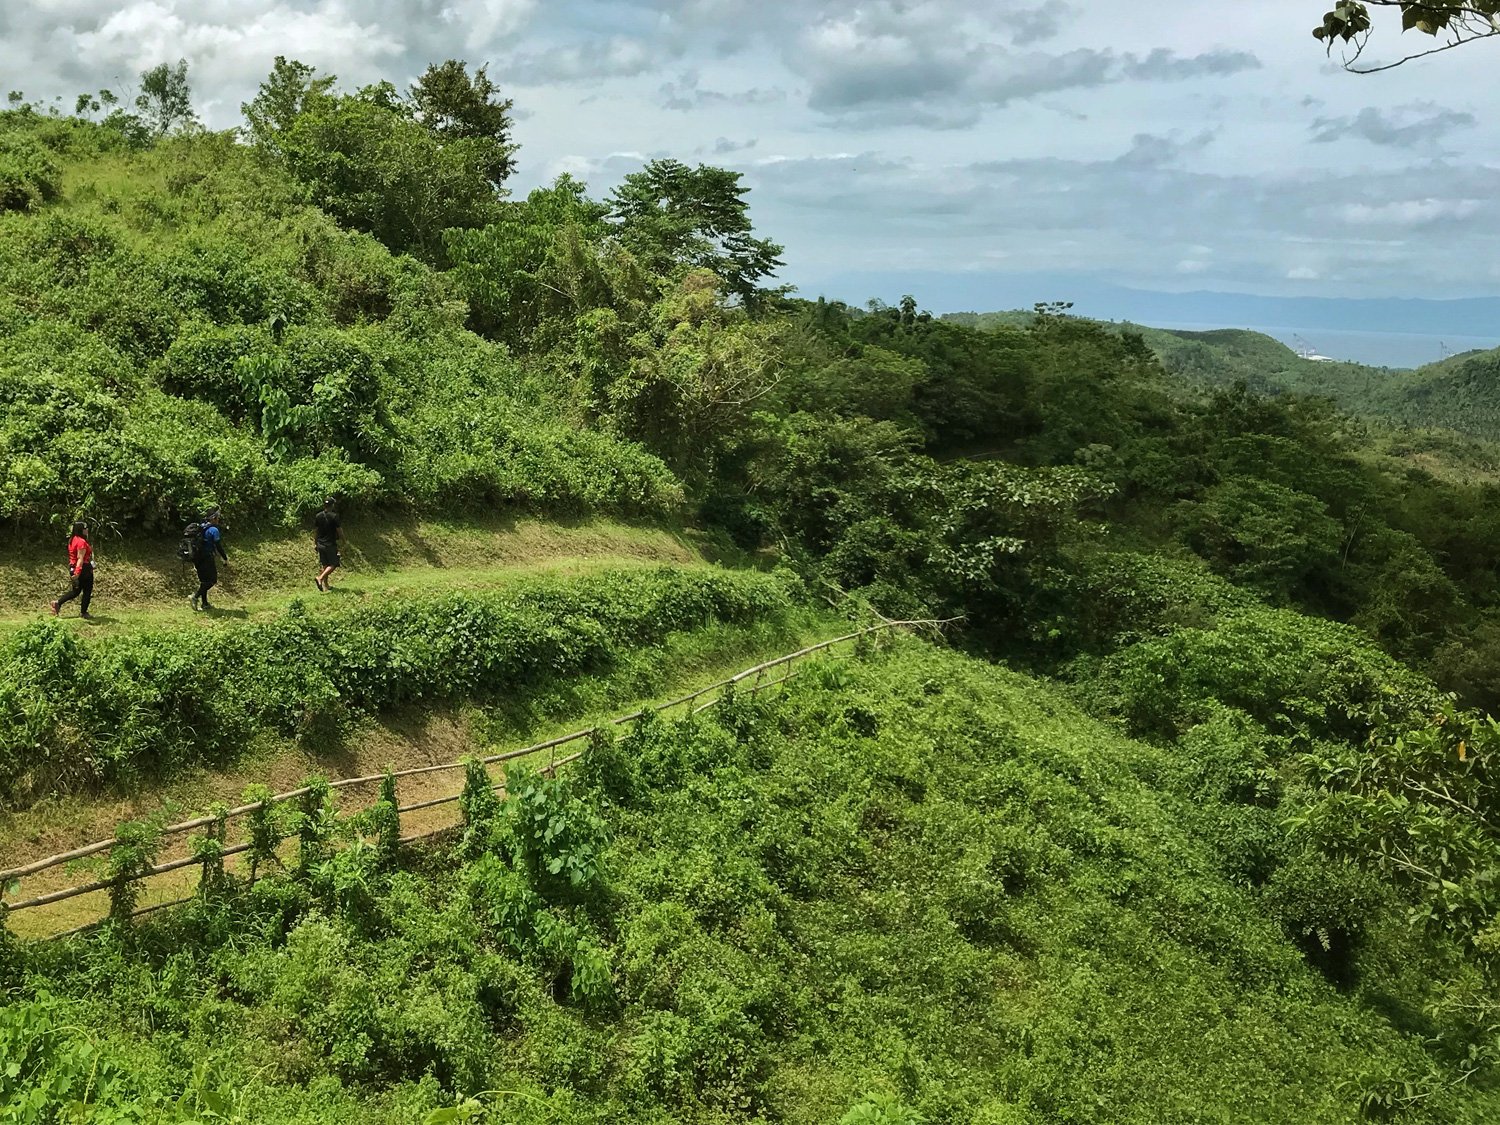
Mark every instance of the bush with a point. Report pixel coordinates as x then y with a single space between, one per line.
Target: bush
75 716
1293 675
29 176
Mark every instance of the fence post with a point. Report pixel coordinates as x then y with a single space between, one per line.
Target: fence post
130 859
208 849
387 817
315 826
265 828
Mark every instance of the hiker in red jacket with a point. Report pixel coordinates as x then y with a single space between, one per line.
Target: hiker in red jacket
80 569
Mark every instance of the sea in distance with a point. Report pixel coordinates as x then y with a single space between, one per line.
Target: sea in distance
1377 349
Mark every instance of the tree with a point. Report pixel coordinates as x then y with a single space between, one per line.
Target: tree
378 171
290 89
533 270
676 219
455 107
382 163
693 378
1350 23
165 100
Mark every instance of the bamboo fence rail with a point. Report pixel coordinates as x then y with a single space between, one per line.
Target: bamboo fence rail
758 672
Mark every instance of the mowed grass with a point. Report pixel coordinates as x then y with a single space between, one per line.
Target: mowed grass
140 582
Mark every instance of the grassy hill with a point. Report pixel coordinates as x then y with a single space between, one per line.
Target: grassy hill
179 330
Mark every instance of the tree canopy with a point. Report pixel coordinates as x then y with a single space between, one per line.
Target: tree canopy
455 107
405 168
675 218
166 100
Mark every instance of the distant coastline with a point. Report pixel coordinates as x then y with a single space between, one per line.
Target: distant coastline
1376 349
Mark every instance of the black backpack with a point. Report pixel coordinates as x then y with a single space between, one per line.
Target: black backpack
191 547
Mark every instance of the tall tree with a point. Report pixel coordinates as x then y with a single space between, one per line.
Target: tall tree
1350 23
675 218
404 169
288 91
457 107
166 99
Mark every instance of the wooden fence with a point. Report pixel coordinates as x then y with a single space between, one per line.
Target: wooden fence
758 674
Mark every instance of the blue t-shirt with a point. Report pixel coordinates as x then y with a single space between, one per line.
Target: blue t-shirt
211 541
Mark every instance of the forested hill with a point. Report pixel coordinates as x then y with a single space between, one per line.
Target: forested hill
1460 393
343 297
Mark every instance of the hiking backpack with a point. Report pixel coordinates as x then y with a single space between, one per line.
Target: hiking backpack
191 547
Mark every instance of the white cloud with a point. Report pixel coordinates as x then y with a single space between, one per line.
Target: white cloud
238 44
1413 212
946 135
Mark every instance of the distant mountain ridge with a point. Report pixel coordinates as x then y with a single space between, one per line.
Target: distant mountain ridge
1460 393
949 292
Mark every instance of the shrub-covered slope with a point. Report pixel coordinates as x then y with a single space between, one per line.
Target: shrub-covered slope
76 713
179 330
917 888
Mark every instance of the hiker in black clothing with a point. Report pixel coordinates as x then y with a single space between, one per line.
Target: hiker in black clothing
326 538
211 543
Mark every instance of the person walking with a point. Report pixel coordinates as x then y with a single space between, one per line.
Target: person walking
80 571
327 535
205 563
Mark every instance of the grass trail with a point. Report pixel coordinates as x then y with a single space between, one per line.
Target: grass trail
140 583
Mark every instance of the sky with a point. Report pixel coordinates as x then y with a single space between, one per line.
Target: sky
980 148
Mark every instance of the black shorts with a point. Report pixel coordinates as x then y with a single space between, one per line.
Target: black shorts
328 556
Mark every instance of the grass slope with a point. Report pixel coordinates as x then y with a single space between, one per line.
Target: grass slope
79 713
412 737
918 885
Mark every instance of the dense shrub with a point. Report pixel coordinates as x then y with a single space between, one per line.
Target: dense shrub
1293 674
74 714
29 176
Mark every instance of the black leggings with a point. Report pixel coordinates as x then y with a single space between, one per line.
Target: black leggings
82 588
208 578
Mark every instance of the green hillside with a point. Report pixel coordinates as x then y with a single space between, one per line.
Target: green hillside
1459 393
918 888
178 330
1188 815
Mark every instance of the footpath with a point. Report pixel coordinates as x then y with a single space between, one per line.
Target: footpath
140 583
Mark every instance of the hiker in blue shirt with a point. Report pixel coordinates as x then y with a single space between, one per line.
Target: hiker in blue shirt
205 563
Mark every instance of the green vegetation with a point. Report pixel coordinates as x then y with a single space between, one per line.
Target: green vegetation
180 331
1453 24
153 703
1454 394
924 889
916 888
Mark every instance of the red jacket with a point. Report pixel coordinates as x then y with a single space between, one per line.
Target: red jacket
80 555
